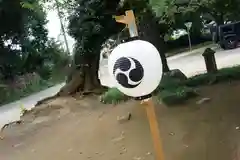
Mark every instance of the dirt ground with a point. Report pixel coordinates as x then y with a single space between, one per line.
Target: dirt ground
88 130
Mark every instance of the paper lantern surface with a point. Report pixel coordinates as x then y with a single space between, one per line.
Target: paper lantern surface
135 67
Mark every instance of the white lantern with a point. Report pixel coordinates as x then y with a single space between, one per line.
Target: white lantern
136 68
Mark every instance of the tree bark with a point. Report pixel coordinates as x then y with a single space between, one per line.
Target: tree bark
149 31
94 71
83 78
91 80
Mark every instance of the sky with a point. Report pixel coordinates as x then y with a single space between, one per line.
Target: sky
54 29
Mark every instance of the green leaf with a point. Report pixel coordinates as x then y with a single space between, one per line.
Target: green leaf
28 5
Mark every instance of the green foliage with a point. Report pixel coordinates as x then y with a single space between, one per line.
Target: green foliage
55 60
91 24
9 93
24 44
169 82
23 38
172 91
113 96
176 95
45 72
26 49
174 13
28 5
22 109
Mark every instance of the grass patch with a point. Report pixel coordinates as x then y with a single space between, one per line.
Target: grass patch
113 96
170 81
223 75
178 95
173 91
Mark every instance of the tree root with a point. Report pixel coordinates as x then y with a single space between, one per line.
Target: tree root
7 125
45 100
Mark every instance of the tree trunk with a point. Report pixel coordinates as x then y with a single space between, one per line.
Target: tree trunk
165 67
219 19
94 71
83 78
91 81
149 31
195 30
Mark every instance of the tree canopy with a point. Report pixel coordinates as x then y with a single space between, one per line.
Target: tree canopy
23 37
169 11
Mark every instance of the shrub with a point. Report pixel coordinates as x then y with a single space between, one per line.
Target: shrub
171 79
45 72
172 89
21 87
176 95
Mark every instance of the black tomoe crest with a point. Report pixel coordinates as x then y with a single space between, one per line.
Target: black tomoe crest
128 72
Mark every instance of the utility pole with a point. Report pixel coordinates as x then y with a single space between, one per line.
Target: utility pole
62 27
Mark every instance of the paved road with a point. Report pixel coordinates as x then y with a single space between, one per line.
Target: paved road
189 63
11 112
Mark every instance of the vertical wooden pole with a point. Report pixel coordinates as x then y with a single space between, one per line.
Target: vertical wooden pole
129 20
154 128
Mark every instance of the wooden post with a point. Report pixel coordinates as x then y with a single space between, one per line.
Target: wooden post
154 128
129 20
